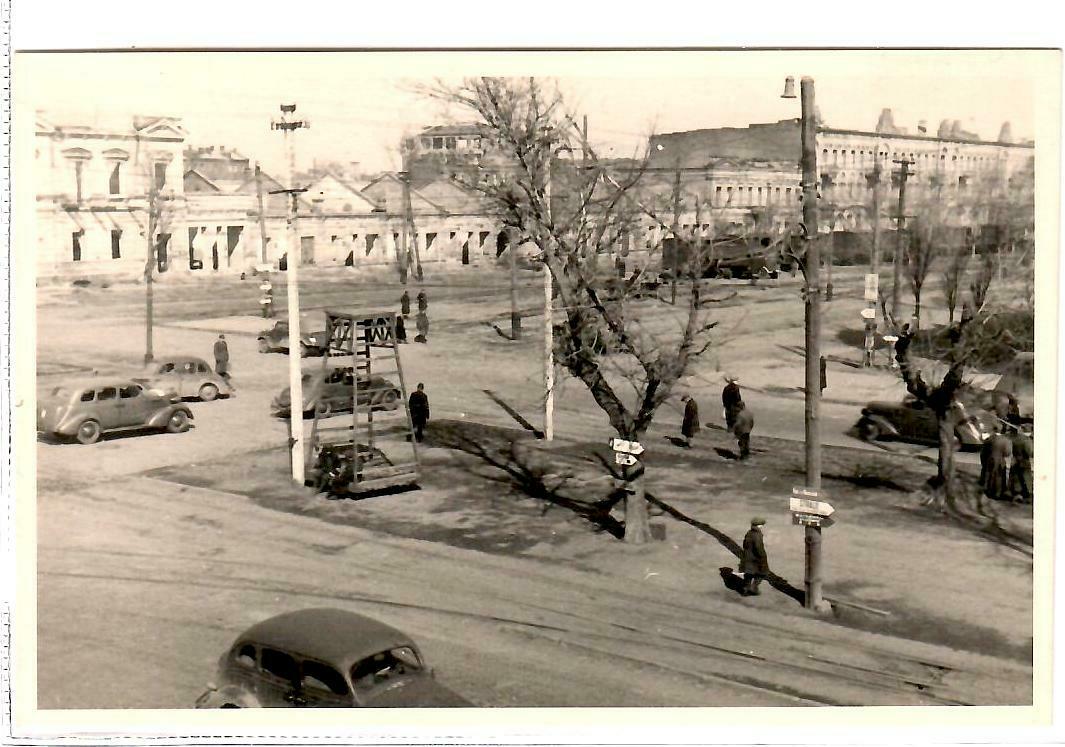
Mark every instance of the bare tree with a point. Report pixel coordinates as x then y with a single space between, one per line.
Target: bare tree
920 252
629 362
980 284
951 276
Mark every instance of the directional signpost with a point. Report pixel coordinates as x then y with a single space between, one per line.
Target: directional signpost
626 460
808 510
625 453
626 447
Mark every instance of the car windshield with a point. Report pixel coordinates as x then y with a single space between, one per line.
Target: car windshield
376 669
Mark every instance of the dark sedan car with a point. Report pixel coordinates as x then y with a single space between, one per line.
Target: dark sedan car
88 408
325 658
332 391
913 420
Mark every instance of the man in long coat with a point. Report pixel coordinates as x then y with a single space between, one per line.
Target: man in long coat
754 565
742 427
1021 473
221 357
731 400
419 411
690 427
995 473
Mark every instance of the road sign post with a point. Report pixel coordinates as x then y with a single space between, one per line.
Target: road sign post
813 514
625 460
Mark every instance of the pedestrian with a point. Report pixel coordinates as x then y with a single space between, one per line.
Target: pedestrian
902 345
742 429
401 330
755 564
423 301
731 399
419 412
404 303
1021 479
423 327
824 373
999 456
221 357
690 427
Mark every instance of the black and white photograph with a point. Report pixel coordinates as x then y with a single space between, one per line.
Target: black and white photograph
537 380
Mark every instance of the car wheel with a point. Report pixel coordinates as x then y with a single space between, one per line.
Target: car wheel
323 409
869 431
178 423
304 350
390 400
208 392
264 346
89 432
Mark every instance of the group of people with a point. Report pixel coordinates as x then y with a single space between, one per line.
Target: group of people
421 320
738 418
1006 457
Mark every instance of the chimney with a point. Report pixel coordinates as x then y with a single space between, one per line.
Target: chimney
1005 135
922 126
956 130
886 124
944 129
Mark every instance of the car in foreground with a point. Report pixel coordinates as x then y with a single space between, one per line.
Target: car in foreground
276 339
88 408
325 658
184 376
912 420
331 391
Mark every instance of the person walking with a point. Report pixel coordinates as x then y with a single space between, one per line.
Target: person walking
999 456
754 565
731 400
419 412
423 327
221 357
404 303
401 330
1021 477
423 301
690 426
742 428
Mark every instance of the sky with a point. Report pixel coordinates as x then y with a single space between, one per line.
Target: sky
360 105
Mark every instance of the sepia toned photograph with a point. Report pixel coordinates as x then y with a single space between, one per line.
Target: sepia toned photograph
553 380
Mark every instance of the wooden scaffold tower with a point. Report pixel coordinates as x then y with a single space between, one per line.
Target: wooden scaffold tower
377 451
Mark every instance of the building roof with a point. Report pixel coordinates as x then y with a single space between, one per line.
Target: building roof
456 129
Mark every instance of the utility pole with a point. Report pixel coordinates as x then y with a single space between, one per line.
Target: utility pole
549 320
515 317
295 372
676 238
262 217
813 582
904 174
149 268
404 260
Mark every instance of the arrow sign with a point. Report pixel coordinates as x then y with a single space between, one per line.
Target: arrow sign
807 506
812 520
625 459
626 447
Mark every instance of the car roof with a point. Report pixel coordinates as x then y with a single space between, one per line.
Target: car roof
335 636
92 382
177 359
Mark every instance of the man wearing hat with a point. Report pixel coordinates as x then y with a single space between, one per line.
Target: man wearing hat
732 400
690 426
221 357
754 565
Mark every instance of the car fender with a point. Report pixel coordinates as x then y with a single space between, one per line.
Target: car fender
69 425
886 426
160 418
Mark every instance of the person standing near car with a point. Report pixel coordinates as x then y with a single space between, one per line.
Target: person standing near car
999 457
221 357
731 400
419 412
1021 478
754 565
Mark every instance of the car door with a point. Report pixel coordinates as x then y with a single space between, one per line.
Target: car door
188 386
277 686
919 421
136 407
111 412
322 686
168 378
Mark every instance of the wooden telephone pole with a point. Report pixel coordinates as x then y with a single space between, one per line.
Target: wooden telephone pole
904 174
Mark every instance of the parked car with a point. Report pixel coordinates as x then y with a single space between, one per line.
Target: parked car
325 658
86 409
184 376
276 339
331 391
912 420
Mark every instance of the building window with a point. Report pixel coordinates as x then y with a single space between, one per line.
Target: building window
438 143
114 185
75 245
449 143
116 244
160 175
79 168
427 143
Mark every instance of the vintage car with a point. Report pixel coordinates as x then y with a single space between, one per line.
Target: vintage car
184 376
276 339
330 391
88 408
912 420
325 658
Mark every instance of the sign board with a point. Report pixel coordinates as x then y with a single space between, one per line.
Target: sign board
802 492
868 313
872 285
626 447
807 506
625 459
812 520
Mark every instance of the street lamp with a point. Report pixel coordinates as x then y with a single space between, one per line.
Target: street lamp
812 295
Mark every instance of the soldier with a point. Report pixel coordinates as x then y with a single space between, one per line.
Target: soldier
419 411
731 399
221 357
742 428
690 427
755 564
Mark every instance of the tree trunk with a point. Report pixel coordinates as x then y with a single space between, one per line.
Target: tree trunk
917 310
637 525
945 462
